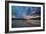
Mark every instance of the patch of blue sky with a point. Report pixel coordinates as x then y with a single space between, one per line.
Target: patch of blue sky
20 11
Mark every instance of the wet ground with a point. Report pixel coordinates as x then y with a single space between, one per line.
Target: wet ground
25 23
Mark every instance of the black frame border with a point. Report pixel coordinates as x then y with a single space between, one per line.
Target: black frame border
7 16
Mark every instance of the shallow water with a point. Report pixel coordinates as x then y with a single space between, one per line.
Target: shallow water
25 23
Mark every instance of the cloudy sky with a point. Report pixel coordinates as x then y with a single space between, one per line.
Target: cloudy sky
20 11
